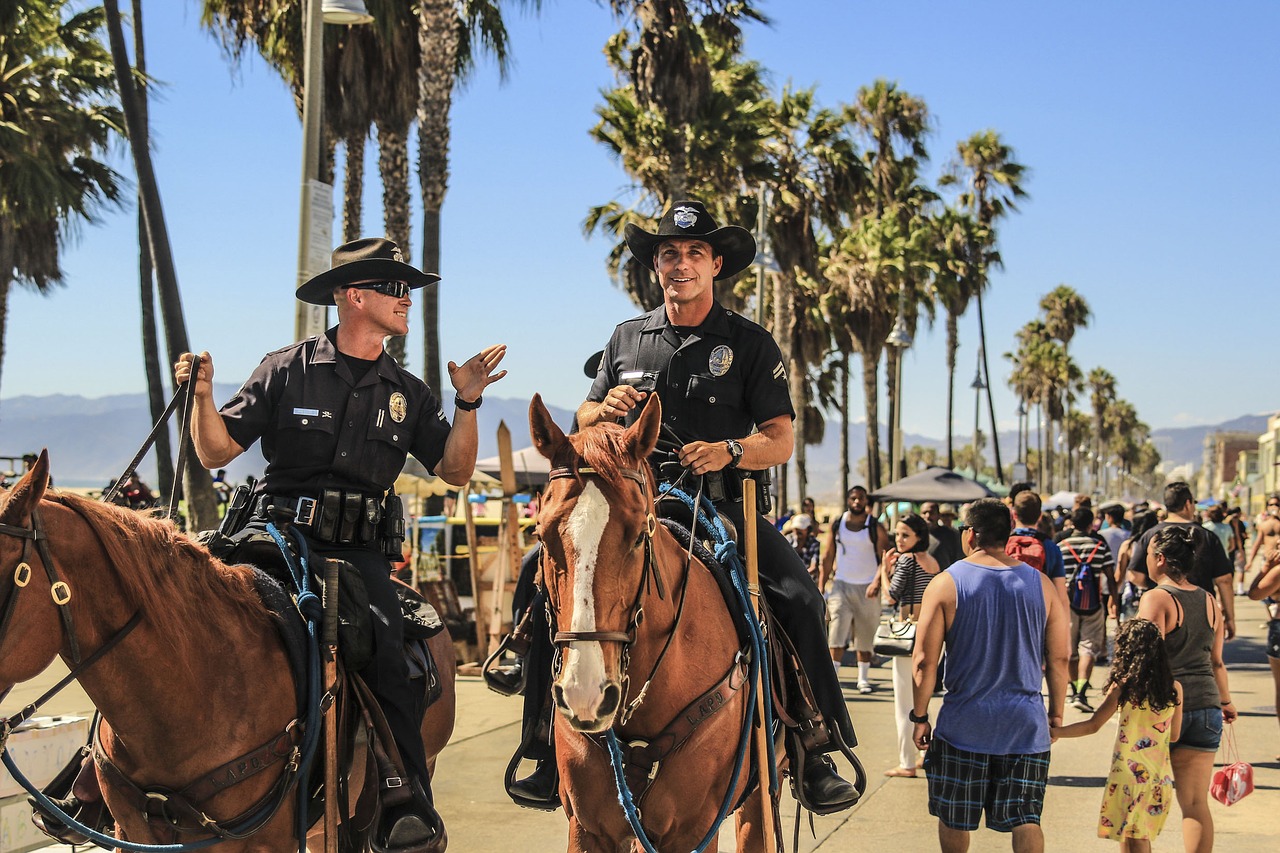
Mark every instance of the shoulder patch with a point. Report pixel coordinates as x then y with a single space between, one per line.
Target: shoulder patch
780 371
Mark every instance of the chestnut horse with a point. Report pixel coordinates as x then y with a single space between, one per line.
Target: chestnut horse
644 640
201 681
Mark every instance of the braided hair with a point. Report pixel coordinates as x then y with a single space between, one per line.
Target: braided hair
1177 546
1141 667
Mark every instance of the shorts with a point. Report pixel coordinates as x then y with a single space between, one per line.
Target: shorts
1201 730
1089 633
963 784
848 605
1273 639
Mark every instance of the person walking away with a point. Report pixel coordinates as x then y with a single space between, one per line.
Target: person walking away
1266 588
944 541
803 538
913 568
1194 629
1239 535
1210 569
1089 566
1139 789
337 416
851 563
1005 629
1027 543
1132 583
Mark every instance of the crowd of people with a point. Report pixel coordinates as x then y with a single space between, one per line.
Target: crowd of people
1015 607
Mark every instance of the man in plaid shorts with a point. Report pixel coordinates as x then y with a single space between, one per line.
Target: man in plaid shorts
1001 620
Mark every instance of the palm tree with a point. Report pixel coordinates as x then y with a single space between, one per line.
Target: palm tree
959 241
56 120
451 35
993 181
1065 312
1102 393
202 505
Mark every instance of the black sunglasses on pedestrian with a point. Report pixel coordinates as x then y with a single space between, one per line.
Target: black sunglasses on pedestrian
394 289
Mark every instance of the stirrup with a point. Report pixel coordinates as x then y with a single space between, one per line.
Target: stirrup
513 644
509 777
799 755
93 813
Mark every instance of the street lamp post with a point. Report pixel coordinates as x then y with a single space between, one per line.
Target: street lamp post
315 223
900 339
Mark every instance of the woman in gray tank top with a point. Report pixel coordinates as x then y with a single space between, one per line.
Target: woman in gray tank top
1192 626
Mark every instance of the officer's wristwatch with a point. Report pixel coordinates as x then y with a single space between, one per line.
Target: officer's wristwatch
464 405
735 452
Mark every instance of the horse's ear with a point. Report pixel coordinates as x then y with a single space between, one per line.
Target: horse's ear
642 437
548 438
27 492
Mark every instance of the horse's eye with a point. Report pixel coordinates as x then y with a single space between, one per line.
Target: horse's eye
639 541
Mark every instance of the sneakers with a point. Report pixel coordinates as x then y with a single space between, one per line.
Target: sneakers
1080 703
865 687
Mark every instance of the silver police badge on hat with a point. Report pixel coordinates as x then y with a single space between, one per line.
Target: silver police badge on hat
720 361
685 217
398 406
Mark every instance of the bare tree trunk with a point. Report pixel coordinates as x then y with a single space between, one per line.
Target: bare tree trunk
202 505
393 165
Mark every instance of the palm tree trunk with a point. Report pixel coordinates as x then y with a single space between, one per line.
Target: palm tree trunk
353 191
870 369
6 280
146 287
953 344
783 331
437 39
393 165
202 505
986 373
844 423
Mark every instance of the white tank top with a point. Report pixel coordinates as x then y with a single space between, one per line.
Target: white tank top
855 554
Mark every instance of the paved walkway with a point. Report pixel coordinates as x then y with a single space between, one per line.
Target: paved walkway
893 812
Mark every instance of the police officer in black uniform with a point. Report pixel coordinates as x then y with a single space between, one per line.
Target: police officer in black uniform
725 402
337 416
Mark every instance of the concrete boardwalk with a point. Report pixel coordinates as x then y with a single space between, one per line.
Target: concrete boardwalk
893 813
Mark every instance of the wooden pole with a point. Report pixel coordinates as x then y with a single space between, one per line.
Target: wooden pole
473 562
762 689
508 534
331 569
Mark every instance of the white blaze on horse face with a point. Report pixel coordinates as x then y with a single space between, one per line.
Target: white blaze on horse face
583 675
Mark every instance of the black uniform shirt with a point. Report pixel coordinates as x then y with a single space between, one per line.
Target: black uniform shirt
323 429
723 380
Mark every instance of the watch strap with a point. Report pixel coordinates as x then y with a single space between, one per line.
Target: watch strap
465 406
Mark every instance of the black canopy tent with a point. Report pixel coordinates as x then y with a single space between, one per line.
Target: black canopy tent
934 484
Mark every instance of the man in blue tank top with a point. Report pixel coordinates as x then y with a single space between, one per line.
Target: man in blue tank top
1001 621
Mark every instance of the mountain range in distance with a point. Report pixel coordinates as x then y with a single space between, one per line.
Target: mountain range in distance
90 439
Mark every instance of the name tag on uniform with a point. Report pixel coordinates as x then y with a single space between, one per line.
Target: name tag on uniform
307 412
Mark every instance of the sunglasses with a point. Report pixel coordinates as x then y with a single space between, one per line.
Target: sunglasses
964 527
394 289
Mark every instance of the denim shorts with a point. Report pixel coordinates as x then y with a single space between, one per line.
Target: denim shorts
1201 730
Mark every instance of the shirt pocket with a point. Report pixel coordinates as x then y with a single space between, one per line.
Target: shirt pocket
305 438
388 444
715 391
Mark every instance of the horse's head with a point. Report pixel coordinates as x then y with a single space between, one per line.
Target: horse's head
25 618
596 524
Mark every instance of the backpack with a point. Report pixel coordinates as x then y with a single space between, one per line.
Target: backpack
1027 548
1083 589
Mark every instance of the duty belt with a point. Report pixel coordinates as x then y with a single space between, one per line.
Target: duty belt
335 516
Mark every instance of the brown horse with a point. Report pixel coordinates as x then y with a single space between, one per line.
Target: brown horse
201 681
646 647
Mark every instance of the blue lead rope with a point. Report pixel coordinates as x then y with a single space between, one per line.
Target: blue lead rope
726 552
310 606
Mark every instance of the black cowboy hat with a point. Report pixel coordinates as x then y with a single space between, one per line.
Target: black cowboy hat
366 261
689 219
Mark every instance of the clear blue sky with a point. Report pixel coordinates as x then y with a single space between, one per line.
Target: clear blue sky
1149 129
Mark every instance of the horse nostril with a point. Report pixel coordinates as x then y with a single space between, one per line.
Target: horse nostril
612 696
557 694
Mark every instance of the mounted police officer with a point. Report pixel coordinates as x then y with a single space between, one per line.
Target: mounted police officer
727 408
337 416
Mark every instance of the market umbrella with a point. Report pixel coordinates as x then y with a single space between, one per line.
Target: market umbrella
934 483
414 479
1060 500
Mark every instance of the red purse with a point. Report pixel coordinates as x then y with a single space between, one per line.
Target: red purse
1232 782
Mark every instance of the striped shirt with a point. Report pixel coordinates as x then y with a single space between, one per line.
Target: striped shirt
909 580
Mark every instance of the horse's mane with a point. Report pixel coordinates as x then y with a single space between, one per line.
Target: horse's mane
601 447
158 567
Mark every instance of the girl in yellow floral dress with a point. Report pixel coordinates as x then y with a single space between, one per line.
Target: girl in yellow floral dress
1139 790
